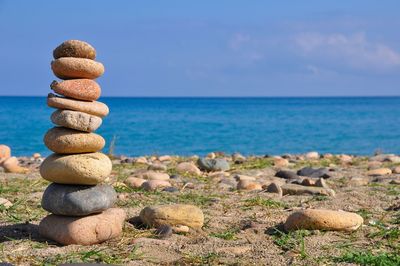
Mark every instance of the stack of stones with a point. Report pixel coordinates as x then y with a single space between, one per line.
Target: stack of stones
80 203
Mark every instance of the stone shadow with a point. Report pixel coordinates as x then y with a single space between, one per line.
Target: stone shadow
20 232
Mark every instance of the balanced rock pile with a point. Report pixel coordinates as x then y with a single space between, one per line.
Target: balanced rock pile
80 204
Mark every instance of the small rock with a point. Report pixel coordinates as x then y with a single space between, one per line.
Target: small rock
171 189
141 160
5 202
188 168
134 182
319 219
293 189
275 188
80 89
36 156
76 120
280 162
165 158
157 167
308 182
11 165
237 158
396 170
312 155
211 155
152 175
311 172
344 158
74 48
374 165
248 185
218 164
379 172
152 185
5 152
286 174
321 183
358 181
164 231
180 229
76 68
244 177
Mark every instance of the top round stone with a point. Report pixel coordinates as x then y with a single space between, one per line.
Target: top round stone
75 48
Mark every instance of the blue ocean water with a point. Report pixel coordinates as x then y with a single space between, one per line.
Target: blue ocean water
185 126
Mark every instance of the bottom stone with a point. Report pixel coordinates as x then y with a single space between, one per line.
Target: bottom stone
87 230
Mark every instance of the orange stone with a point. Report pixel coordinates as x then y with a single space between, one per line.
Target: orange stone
81 89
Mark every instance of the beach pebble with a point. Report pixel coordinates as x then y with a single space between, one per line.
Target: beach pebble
93 108
211 165
76 120
180 229
165 158
5 203
281 162
188 168
36 156
11 165
79 169
134 182
141 160
164 231
275 188
76 68
157 167
344 158
312 172
248 185
319 219
238 158
171 189
286 174
74 48
358 181
75 200
88 230
374 165
396 170
321 183
379 172
176 214
308 182
293 189
244 177
80 89
312 155
153 175
68 141
152 185
5 151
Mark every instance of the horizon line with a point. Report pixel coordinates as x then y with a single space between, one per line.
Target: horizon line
216 97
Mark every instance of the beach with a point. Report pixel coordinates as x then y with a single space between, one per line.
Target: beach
246 202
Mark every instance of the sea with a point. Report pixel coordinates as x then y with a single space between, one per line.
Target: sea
251 126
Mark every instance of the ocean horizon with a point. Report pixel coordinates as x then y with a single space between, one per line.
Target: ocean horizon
357 125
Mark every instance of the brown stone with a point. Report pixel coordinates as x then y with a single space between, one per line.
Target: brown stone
5 151
188 168
76 120
379 172
74 48
11 165
152 185
88 230
93 108
76 68
80 89
134 182
248 185
293 189
69 141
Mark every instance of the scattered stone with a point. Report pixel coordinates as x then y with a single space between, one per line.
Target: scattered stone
164 231
88 230
80 169
11 165
311 172
134 182
392 158
5 152
5 203
358 181
180 229
188 168
374 165
344 158
379 172
211 155
152 185
76 120
152 175
396 170
281 162
68 141
157 167
293 189
248 185
212 165
319 219
244 177
321 183
165 158
312 155
286 174
171 189
275 188
308 182
74 48
238 158
75 200
79 89
141 160
36 156
177 214
76 68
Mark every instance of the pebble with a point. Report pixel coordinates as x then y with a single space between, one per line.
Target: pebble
248 185
88 230
293 189
171 189
134 182
36 156
319 219
308 182
358 181
68 141
374 165
94 108
75 200
379 172
244 177
188 168
76 120
74 48
157 167
312 172
80 169
286 174
281 162
152 175
164 231
321 183
5 151
5 202
396 170
80 89
176 214
218 164
11 165
165 158
238 158
180 229
76 68
312 155
141 160
152 185
275 188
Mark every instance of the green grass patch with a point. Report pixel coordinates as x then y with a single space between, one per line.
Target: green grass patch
369 258
229 234
294 241
263 202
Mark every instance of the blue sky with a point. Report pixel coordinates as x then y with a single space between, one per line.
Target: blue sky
209 48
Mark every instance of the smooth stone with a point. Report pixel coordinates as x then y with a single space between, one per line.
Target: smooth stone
379 172
181 229
238 158
308 182
79 169
176 214
141 160
93 108
69 141
152 185
157 167
244 177
286 174
73 200
5 203
152 175
312 155
386 158
281 162
165 158
87 230
358 181
374 165
76 120
11 165
164 231
275 188
248 185
217 164
5 151
188 168
74 48
319 219
321 183
293 189
171 189
344 158
134 182
312 172
76 68
80 89
396 170
36 156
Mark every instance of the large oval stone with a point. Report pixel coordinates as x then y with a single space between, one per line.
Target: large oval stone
76 68
319 219
218 164
73 200
177 214
76 120
5 151
93 108
88 230
79 169
74 48
67 141
81 89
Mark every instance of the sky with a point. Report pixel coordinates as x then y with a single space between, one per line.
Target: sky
209 47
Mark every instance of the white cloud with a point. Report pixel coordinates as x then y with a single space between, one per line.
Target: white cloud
354 50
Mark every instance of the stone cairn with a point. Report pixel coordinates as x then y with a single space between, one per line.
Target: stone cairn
80 203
